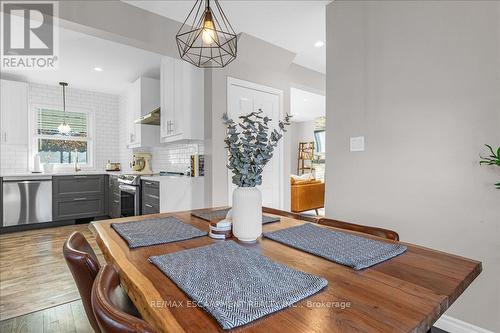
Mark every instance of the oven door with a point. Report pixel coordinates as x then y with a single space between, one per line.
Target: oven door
130 200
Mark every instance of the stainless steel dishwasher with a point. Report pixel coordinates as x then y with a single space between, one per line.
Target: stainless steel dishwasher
27 200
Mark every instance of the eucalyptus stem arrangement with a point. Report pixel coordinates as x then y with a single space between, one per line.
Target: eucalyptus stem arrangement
251 145
492 159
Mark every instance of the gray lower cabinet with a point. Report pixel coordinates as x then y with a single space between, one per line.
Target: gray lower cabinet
77 197
150 197
114 202
70 186
75 208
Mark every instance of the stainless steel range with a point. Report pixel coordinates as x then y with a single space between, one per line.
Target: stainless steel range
130 194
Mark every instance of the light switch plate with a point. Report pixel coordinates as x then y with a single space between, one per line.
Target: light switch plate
357 143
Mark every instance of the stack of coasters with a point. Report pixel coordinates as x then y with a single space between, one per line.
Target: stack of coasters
221 229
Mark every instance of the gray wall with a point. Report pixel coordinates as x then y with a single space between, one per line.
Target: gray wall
420 80
117 21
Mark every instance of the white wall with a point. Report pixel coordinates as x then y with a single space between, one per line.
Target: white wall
302 131
105 108
421 81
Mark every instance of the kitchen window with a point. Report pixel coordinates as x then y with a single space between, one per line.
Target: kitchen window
59 149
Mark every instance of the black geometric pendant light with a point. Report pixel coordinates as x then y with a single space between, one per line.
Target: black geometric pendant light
206 38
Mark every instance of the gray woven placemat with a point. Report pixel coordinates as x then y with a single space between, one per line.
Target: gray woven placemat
208 215
156 231
340 247
234 284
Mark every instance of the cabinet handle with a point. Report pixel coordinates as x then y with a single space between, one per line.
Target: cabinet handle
116 201
79 199
147 183
148 205
153 196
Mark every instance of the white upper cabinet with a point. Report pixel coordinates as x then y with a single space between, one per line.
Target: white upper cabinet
143 97
14 112
182 101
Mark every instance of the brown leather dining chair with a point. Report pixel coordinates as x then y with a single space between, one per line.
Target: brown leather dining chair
288 214
375 231
111 313
84 266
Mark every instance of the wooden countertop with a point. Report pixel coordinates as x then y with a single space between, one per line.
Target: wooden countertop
405 294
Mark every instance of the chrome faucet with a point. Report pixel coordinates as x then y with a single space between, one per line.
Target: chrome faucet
77 168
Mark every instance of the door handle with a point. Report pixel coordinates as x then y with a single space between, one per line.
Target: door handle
116 201
26 181
148 205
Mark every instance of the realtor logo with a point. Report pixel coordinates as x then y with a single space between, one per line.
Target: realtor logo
29 32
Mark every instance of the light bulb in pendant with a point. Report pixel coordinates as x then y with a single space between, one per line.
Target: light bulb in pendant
64 128
208 35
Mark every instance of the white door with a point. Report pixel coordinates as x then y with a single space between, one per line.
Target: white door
243 98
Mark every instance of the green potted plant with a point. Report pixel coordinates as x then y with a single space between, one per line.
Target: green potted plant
250 144
493 159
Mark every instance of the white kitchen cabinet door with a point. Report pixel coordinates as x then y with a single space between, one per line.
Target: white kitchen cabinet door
143 97
182 101
167 79
133 112
14 112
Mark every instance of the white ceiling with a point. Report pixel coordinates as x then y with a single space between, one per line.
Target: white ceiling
305 106
292 25
80 53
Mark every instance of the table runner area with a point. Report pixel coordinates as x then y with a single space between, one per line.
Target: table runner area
156 231
234 284
208 215
340 247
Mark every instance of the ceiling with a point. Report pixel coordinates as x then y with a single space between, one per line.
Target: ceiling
79 54
292 25
305 106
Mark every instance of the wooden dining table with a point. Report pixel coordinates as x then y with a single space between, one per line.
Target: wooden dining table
407 293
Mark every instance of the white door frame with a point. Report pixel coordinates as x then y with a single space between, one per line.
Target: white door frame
231 81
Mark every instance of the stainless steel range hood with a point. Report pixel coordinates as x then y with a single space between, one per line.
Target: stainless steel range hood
152 118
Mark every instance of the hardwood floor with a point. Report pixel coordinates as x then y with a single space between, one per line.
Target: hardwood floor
33 273
64 318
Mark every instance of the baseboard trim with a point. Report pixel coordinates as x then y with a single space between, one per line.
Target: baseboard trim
453 325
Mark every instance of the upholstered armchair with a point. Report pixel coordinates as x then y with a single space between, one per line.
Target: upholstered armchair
307 195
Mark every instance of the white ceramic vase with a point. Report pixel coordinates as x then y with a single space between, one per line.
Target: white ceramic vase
247 213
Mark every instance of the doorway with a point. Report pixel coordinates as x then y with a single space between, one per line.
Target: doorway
243 97
307 151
